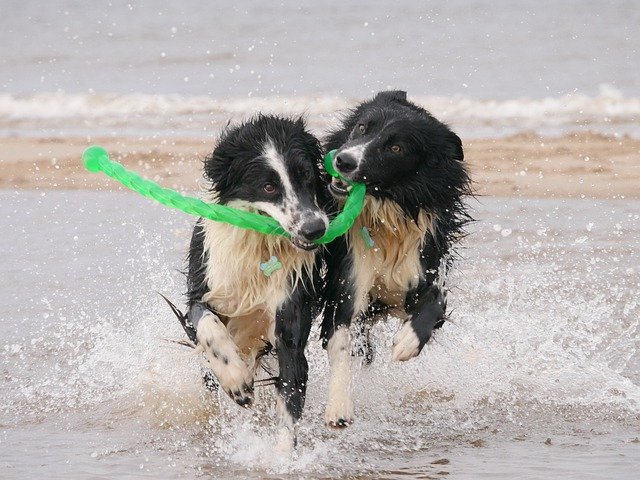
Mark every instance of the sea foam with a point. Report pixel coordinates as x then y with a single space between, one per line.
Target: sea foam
608 112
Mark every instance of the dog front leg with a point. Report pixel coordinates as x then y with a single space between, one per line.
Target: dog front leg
293 324
223 356
427 312
339 294
339 411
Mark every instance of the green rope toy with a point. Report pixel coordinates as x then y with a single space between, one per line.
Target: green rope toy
96 159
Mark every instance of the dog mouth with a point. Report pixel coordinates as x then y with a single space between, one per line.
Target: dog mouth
339 188
303 244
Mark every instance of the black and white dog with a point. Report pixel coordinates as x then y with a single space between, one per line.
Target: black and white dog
249 292
393 259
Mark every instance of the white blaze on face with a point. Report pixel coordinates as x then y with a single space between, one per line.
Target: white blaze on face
276 161
284 211
356 152
288 213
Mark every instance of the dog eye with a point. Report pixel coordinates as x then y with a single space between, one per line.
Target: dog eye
361 128
396 148
269 187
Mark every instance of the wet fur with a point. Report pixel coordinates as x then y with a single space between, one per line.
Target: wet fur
232 249
235 313
414 213
392 266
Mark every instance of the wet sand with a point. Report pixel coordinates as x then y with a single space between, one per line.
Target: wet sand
526 165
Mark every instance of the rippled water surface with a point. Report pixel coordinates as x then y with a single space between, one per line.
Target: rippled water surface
536 376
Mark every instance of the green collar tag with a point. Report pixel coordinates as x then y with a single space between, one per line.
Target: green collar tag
270 266
366 236
96 159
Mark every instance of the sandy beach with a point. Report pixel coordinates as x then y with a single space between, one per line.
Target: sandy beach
577 166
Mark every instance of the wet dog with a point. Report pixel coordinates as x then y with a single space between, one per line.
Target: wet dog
394 258
249 292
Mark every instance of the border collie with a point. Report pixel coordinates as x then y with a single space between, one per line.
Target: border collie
249 292
394 258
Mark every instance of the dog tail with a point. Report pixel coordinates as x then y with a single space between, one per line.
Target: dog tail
184 321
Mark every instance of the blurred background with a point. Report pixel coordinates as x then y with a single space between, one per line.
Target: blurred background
488 67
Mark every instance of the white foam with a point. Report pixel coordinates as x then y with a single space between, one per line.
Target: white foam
61 105
609 111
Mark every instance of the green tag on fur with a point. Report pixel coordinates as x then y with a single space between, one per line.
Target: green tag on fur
366 236
270 266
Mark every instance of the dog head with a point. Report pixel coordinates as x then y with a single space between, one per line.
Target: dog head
399 151
269 164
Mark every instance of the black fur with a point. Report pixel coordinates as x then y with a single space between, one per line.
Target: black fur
427 173
235 174
237 171
292 335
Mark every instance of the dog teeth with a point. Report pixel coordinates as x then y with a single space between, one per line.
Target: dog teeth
340 185
304 245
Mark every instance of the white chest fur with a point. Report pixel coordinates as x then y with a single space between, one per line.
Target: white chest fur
236 284
392 266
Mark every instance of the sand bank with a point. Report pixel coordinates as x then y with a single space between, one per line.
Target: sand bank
571 166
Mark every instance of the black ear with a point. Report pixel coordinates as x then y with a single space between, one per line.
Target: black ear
393 95
455 147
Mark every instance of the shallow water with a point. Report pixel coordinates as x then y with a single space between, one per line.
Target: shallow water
536 376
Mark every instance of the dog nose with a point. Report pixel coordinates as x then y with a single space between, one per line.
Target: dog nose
313 229
345 163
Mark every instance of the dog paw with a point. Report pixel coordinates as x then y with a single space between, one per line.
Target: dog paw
285 440
223 357
286 431
237 381
339 414
406 344
243 396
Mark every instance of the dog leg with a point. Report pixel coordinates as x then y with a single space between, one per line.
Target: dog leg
293 324
362 346
188 322
339 411
286 428
339 311
429 313
223 356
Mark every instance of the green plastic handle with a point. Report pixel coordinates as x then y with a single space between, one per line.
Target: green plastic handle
96 159
352 207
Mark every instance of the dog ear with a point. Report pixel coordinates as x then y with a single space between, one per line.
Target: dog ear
455 147
398 95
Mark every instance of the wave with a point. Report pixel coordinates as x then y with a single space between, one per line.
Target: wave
137 110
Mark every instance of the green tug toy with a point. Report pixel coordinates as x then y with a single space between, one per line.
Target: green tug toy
96 159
